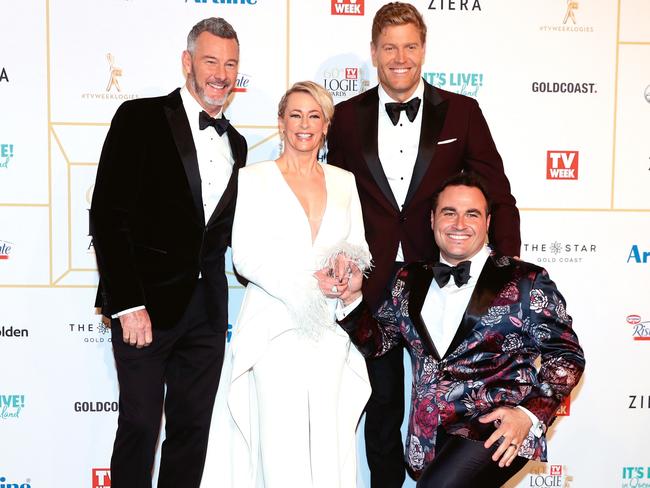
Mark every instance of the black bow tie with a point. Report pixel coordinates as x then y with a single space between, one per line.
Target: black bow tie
442 273
411 108
220 125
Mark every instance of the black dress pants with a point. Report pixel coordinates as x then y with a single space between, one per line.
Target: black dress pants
466 463
187 359
384 416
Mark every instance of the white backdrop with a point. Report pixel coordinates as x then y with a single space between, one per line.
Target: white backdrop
576 93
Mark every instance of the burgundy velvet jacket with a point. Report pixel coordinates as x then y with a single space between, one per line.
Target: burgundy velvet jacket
454 137
515 315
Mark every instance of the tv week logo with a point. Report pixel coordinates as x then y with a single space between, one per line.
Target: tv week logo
561 165
101 478
347 7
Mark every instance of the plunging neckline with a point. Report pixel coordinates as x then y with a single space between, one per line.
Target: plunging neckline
304 212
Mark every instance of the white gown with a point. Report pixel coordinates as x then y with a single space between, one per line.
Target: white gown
292 387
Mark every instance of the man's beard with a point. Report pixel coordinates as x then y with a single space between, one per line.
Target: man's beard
200 92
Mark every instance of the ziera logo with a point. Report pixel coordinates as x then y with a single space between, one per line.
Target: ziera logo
347 7
561 165
455 5
5 484
101 477
3 75
639 401
641 329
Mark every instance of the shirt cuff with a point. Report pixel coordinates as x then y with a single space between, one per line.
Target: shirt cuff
128 310
343 311
537 429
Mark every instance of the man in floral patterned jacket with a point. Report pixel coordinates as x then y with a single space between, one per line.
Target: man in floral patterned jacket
480 408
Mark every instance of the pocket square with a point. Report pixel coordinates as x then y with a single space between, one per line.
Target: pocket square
447 141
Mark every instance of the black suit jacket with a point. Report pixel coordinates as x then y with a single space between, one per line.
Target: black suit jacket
147 221
446 116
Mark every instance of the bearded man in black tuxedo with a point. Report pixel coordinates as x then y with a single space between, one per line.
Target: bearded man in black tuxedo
161 220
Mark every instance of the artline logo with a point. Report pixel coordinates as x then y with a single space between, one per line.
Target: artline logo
3 75
564 410
469 5
635 477
554 476
640 329
92 332
96 407
11 406
241 85
570 22
224 2
639 401
559 252
10 484
635 255
101 478
463 83
345 82
570 87
561 165
5 249
6 155
347 7
113 90
11 332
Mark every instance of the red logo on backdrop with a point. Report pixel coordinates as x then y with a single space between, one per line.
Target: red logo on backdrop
101 478
561 165
565 408
347 7
641 329
351 73
556 470
242 83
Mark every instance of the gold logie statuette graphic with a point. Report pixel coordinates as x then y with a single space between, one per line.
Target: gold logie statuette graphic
115 73
571 7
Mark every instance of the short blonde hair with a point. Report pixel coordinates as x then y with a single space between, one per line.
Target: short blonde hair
317 92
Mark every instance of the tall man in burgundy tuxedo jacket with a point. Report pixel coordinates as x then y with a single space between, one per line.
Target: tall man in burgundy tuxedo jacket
474 325
161 219
401 140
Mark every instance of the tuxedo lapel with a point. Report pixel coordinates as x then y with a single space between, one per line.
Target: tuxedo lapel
419 287
493 278
367 120
238 162
434 111
182 134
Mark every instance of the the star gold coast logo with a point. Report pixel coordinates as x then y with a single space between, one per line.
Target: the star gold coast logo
113 89
570 20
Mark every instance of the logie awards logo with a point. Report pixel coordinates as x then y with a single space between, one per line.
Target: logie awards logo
113 90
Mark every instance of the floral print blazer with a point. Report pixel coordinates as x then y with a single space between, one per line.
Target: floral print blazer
515 315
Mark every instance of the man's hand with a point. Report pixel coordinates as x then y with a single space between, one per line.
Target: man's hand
136 328
512 428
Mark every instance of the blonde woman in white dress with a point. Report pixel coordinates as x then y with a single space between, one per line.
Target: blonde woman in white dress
293 388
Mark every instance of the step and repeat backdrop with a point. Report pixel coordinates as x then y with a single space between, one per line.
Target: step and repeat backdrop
564 85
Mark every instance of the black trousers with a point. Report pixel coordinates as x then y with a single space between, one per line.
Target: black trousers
384 416
187 359
466 463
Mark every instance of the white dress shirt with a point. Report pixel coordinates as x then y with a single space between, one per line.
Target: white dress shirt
397 147
215 163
